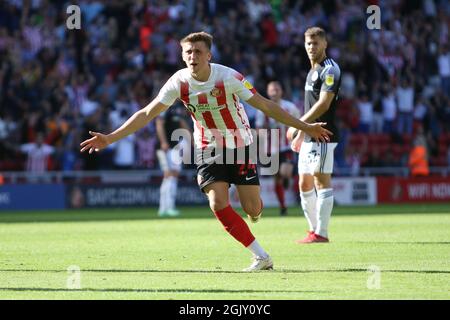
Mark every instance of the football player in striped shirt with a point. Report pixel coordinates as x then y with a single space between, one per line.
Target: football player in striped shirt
211 93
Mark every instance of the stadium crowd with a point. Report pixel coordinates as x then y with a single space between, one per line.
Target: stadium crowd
57 84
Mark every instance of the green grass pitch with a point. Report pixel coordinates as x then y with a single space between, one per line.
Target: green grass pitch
132 254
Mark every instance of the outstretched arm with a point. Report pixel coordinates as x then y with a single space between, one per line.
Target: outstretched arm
137 121
274 111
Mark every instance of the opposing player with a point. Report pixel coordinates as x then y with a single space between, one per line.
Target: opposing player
280 148
169 157
315 164
211 92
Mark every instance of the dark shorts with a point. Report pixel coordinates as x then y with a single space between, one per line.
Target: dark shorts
238 170
287 156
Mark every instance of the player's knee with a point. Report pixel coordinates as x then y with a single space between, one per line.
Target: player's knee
286 170
174 174
218 204
306 186
252 208
286 175
320 186
322 181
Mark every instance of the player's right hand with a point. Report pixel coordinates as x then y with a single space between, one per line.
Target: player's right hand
318 132
296 143
98 142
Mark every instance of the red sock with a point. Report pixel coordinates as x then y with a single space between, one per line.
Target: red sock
235 225
279 190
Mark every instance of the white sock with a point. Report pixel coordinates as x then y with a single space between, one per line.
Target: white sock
325 202
257 250
309 207
172 193
163 190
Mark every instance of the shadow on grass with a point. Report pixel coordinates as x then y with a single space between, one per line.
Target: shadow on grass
202 212
277 271
159 290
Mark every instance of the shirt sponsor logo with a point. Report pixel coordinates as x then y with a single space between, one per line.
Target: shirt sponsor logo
190 107
204 107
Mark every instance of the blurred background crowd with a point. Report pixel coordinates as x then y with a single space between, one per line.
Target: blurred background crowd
57 84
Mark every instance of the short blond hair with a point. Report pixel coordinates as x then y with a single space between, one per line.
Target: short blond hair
199 36
315 32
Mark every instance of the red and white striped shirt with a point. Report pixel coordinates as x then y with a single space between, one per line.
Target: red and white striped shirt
37 156
219 118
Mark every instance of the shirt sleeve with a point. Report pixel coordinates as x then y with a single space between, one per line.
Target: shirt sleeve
48 149
242 87
293 109
27 147
330 77
169 92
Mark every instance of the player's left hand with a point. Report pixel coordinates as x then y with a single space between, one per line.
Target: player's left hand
318 132
98 142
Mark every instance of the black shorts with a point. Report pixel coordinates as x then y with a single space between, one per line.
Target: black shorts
287 156
240 169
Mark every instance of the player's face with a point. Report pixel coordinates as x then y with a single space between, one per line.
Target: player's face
196 55
274 91
315 47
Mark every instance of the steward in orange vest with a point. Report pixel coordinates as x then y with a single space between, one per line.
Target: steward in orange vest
418 163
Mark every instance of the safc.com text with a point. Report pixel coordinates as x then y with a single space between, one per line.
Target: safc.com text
263 147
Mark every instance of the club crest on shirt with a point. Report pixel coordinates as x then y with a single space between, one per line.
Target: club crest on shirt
314 76
329 79
216 92
190 107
